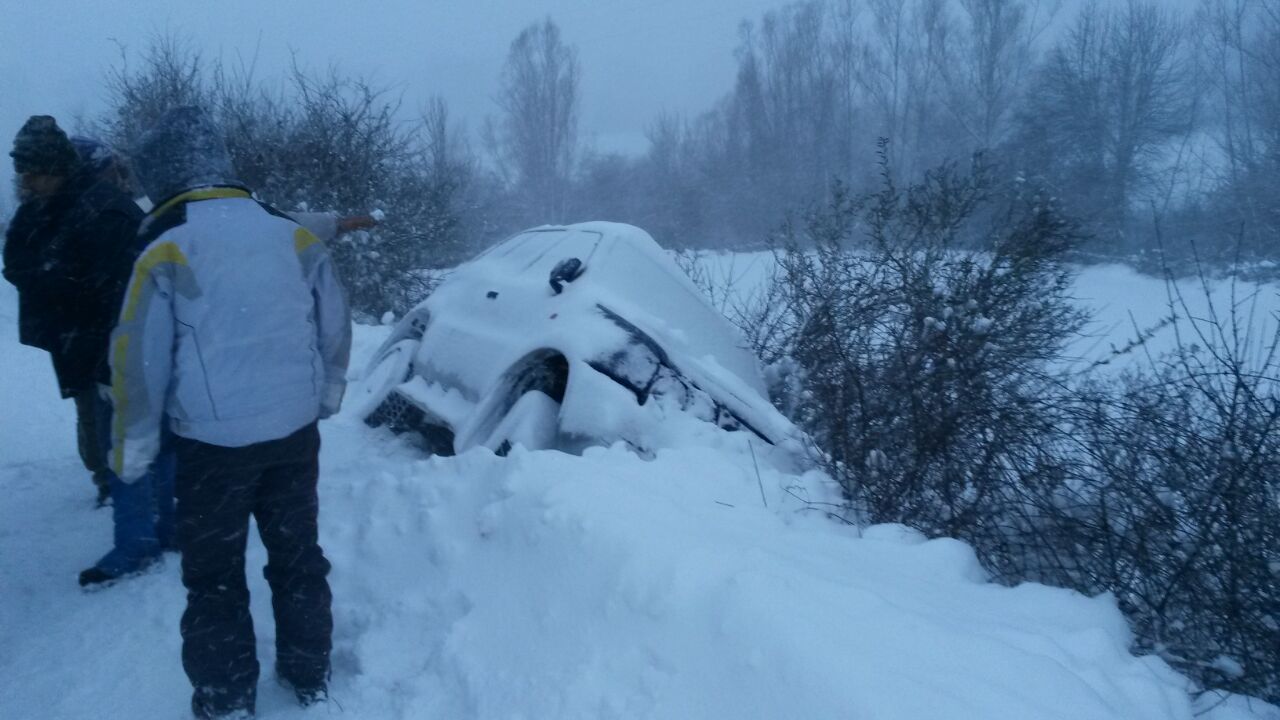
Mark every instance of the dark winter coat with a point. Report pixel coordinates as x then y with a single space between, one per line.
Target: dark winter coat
70 257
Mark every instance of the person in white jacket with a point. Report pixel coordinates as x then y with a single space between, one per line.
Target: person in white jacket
235 328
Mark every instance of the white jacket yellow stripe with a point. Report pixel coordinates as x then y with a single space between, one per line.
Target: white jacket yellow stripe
234 326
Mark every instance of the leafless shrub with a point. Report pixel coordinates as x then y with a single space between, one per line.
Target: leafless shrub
1177 509
924 368
325 142
922 348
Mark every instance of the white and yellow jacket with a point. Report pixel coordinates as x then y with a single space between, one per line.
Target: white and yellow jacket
234 326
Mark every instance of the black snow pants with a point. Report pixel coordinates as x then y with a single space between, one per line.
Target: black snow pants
218 488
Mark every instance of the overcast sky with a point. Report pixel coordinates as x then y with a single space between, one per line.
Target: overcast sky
638 57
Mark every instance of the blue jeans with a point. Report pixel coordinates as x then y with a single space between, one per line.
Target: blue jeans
142 511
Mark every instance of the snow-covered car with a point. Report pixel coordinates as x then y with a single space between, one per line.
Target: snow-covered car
565 337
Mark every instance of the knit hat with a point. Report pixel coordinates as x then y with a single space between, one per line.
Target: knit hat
41 147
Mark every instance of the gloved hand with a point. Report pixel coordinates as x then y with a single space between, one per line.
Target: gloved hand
356 222
137 458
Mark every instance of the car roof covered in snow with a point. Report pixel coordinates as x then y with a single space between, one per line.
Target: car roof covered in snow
624 269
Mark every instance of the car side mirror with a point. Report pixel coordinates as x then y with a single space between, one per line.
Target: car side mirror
565 271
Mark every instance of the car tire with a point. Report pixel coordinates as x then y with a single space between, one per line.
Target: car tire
372 400
524 408
533 422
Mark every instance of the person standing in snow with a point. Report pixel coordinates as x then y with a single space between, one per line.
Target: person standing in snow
143 511
69 251
67 229
234 326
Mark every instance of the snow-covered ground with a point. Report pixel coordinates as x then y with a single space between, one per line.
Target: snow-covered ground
550 586
1122 302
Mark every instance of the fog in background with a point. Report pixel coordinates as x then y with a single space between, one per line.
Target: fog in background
639 57
708 122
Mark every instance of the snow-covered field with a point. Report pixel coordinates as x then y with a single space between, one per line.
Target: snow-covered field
546 586
1124 301
1123 304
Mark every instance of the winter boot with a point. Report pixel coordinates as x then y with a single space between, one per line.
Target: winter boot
207 704
136 547
307 696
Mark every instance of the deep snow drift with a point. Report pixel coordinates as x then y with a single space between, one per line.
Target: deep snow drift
550 586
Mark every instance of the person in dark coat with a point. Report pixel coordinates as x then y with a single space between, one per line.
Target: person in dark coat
144 518
70 251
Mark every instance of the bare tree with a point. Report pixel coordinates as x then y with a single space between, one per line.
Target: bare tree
988 62
535 140
898 81
786 122
1111 95
1239 56
673 199
791 124
445 145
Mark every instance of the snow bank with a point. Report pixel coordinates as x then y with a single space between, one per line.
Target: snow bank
550 586
609 587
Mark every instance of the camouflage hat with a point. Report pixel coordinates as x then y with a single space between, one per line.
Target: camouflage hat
41 147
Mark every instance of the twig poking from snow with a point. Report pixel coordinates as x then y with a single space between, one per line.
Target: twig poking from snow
759 481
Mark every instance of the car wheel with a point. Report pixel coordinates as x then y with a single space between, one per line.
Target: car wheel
524 408
373 400
533 422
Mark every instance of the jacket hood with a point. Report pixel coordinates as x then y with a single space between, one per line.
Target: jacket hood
98 160
182 150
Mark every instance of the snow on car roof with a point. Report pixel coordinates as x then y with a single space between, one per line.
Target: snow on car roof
632 275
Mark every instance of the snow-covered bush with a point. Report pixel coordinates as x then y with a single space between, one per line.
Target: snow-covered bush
1175 499
923 368
325 142
337 145
921 344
